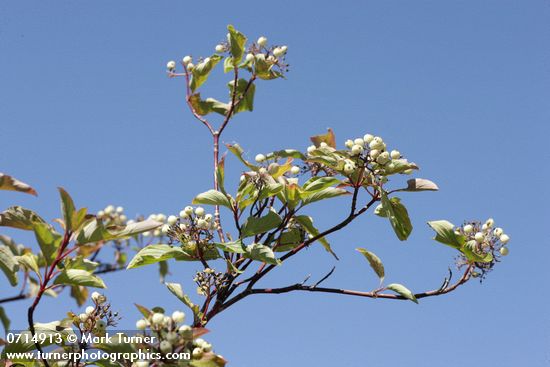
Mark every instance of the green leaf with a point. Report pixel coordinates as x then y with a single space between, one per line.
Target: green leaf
67 208
80 294
9 264
155 253
79 277
254 226
202 70
329 138
374 262
212 197
238 152
144 310
420 184
329 192
177 291
14 247
95 231
26 344
307 223
204 107
471 252
264 69
399 166
235 247
318 183
445 233
402 291
5 320
220 174
286 153
28 261
288 240
228 64
245 94
237 42
398 216
48 240
13 184
259 252
18 217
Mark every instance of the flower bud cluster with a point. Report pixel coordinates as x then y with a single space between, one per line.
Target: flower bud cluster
208 279
112 215
485 238
171 334
96 317
372 150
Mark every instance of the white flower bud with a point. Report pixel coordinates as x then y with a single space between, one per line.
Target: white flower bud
165 228
498 231
208 217
201 223
161 217
123 218
359 141
90 310
284 48
178 316
141 364
190 66
348 168
157 318
185 329
295 170
383 158
348 143
249 58
141 324
165 346
199 211
377 143
172 220
242 178
262 171
83 317
207 347
172 337
171 65
504 251
98 297
323 145
356 149
119 209
220 49
490 222
188 210
395 154
479 237
197 353
504 238
146 234
157 233
368 138
109 209
262 41
278 52
374 153
311 149
468 228
260 158
100 213
484 227
186 60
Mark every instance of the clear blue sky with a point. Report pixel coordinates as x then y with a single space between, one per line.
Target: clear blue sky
460 87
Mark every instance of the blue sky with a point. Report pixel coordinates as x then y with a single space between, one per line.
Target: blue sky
460 87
